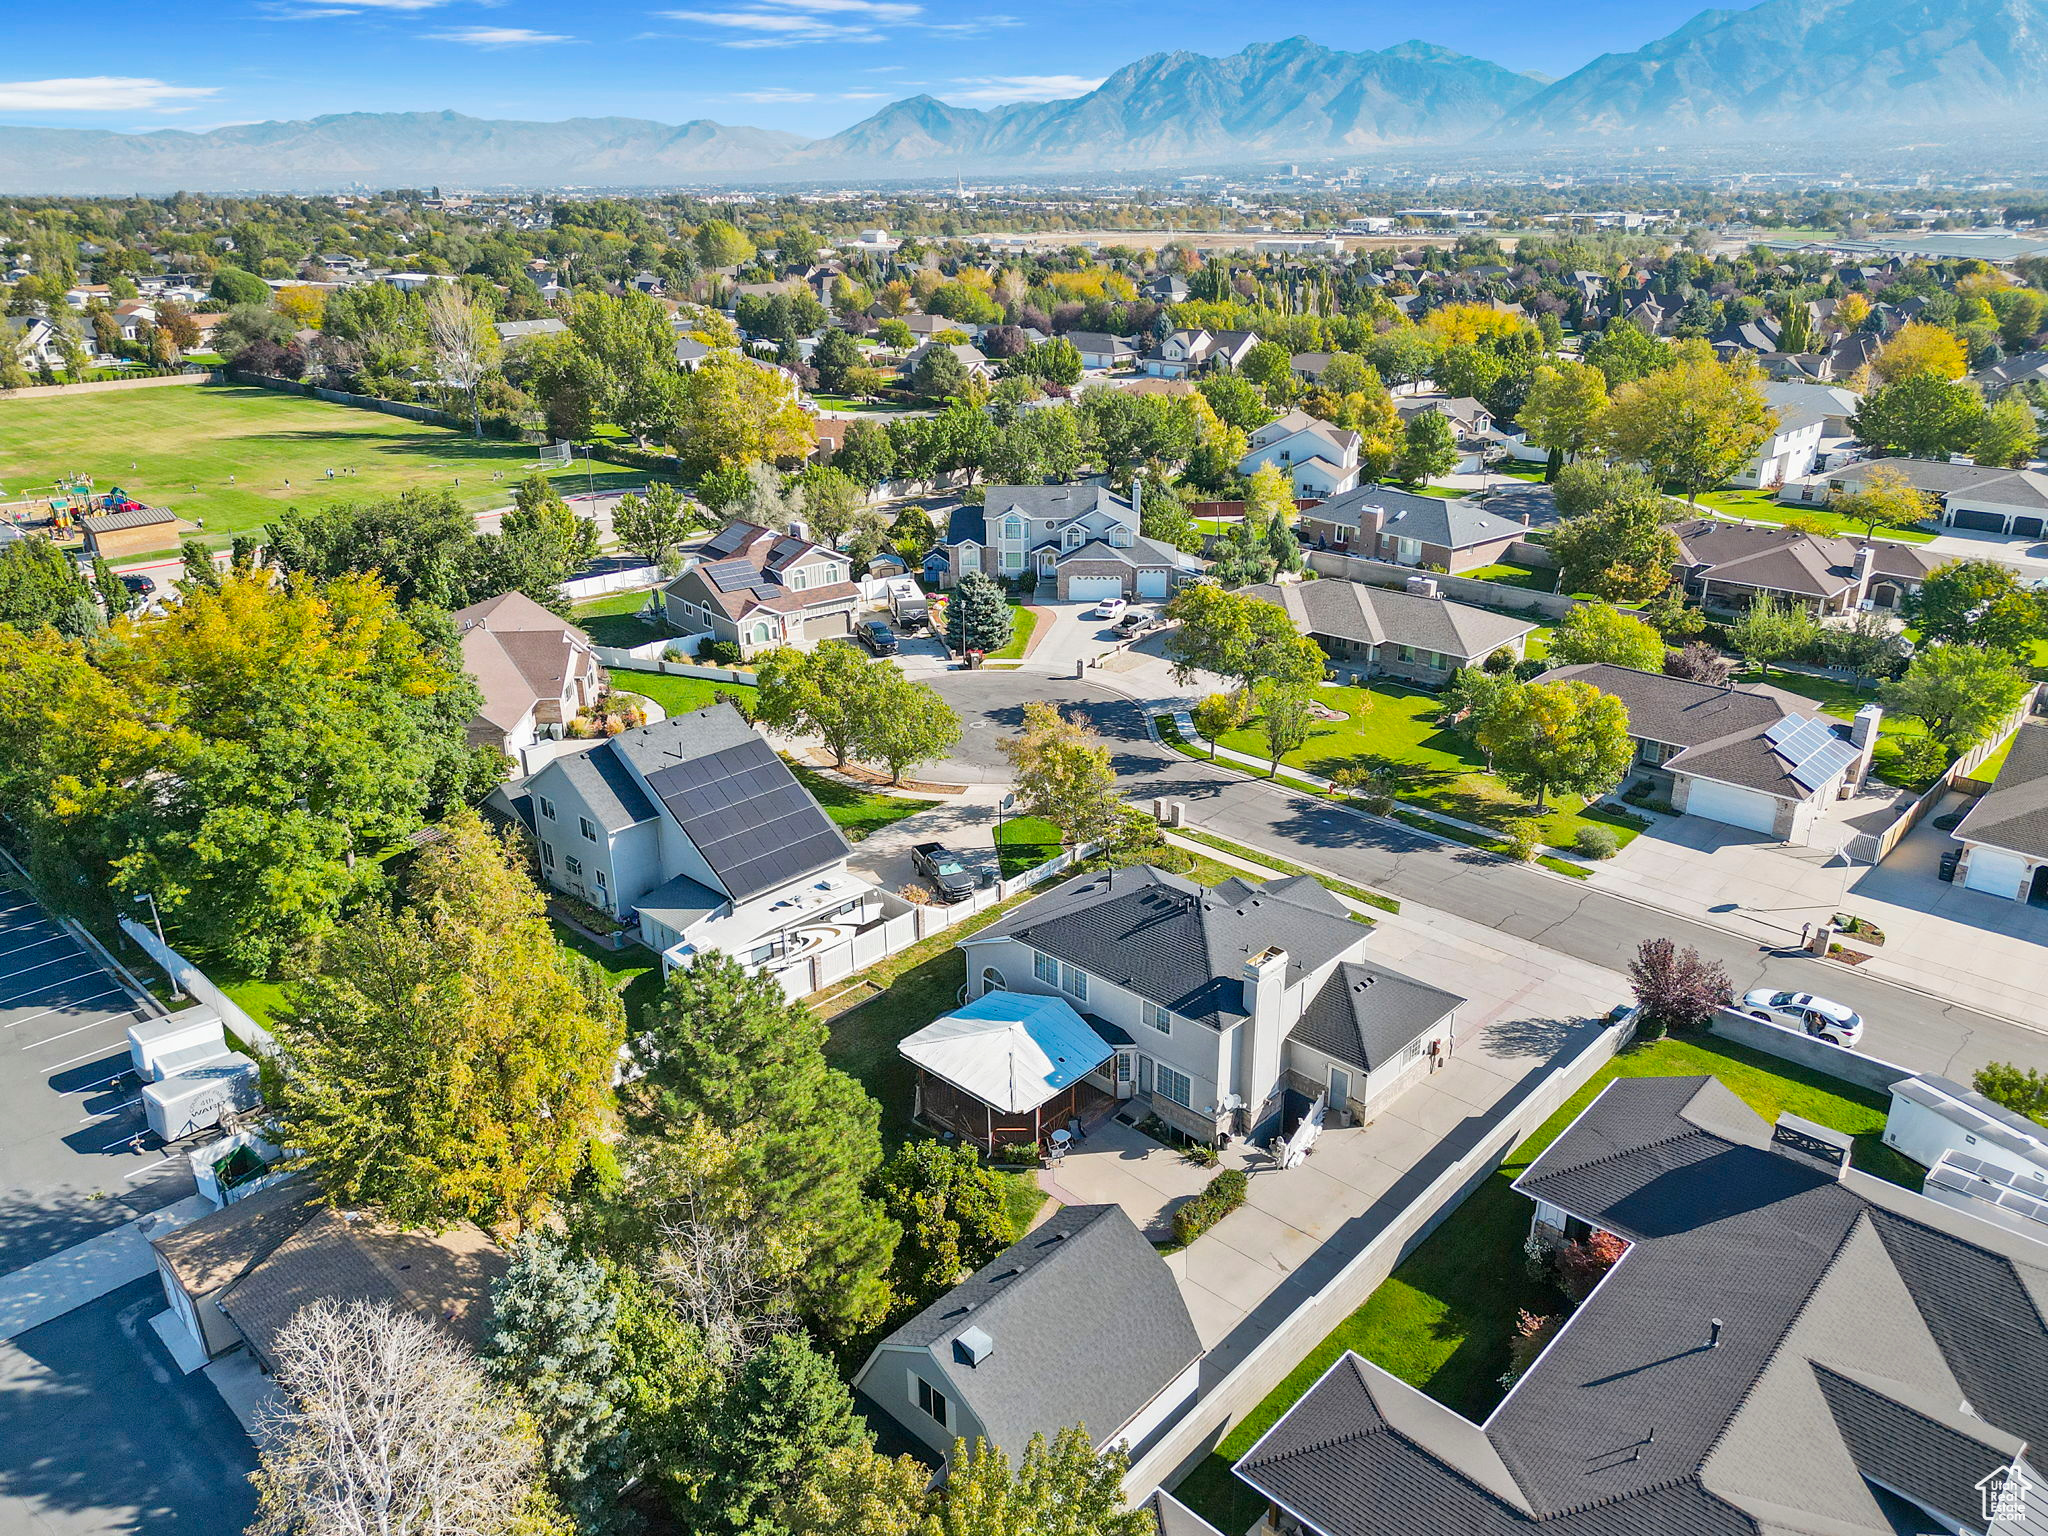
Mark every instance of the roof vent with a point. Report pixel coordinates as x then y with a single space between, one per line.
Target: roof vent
973 1346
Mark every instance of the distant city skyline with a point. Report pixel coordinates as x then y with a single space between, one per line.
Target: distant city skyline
807 66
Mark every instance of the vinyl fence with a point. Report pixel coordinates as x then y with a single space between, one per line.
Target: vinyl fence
195 981
648 658
1233 1394
632 578
110 386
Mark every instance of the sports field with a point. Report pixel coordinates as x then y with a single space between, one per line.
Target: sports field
232 458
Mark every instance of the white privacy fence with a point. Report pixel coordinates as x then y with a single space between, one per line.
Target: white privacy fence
191 979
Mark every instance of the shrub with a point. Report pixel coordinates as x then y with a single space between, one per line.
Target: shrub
1201 1154
1524 837
1597 842
1530 1335
1226 1192
1014 1152
1579 1266
719 653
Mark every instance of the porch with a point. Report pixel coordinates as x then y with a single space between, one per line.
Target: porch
1078 1109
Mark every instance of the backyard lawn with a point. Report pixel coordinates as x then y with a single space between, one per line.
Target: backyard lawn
1842 700
857 811
616 621
1528 577
1441 1322
1764 507
1025 842
233 457
676 695
1395 724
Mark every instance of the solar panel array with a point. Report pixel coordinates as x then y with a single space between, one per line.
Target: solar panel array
754 823
1813 753
2024 1195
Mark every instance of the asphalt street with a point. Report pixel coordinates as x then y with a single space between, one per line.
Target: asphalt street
1904 1026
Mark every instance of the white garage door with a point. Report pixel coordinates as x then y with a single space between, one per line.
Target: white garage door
1093 589
1151 583
1737 807
1996 873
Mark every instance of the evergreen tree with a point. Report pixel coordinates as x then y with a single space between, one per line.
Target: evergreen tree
550 1342
39 586
783 1415
834 355
977 615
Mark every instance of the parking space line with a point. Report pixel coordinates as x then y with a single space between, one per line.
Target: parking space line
88 1056
66 1007
38 921
75 955
22 949
27 994
66 1035
110 1109
97 1083
134 1173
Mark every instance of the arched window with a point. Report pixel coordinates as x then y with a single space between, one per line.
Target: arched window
763 633
992 980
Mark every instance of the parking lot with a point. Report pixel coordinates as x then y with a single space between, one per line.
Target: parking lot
73 1160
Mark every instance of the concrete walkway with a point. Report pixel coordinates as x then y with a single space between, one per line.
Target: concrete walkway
49 1288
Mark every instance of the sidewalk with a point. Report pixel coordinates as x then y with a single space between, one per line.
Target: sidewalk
49 1288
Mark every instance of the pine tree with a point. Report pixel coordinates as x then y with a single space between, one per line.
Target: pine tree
783 1415
977 616
550 1342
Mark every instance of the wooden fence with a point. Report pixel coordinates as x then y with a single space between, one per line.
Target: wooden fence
1876 847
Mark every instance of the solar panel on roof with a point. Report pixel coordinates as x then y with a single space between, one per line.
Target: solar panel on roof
756 826
1831 760
1783 729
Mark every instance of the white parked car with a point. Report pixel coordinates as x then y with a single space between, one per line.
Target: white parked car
1111 608
1816 1016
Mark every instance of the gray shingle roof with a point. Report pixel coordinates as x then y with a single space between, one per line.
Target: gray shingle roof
2014 814
605 784
1857 1321
1452 523
1353 610
2009 487
1176 944
1785 560
1365 1014
1061 502
1087 1323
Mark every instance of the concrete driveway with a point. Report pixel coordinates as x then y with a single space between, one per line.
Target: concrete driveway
1069 633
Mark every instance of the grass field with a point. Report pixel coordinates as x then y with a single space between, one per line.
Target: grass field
232 458
1764 507
1441 1321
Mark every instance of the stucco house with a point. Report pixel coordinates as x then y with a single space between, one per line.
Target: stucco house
1754 756
1807 414
1378 522
1078 1322
1786 1344
535 670
1099 350
1233 1009
1724 566
759 589
1977 496
1319 460
1192 351
1082 539
694 834
1379 632
2005 833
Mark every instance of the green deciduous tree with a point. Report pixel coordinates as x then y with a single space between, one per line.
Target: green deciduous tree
1885 499
835 354
1623 553
1217 715
783 1415
951 1210
1268 498
653 526
1594 632
1565 398
1063 774
909 723
729 1052
1286 717
866 455
731 411
414 542
1771 629
1566 736
978 616
2009 435
232 285
1625 352
39 586
1958 692
938 373
1923 415
1429 447
1243 639
719 243
2023 1090
1693 424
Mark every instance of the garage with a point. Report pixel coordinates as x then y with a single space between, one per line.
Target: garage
829 626
1983 522
1712 800
1151 583
1996 872
1093 589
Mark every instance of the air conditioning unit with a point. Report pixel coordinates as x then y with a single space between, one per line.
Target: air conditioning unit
1420 586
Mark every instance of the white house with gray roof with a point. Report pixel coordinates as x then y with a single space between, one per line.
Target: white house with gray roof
1079 1322
1318 459
2005 834
1982 497
695 834
1082 539
1229 1009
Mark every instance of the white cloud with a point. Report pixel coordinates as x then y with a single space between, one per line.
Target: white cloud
879 10
1002 88
98 93
777 29
499 37
777 95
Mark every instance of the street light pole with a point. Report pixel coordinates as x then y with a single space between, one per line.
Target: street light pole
157 922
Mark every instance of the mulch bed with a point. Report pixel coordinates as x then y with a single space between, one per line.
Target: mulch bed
820 759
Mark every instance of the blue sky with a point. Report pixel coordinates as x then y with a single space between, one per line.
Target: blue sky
811 66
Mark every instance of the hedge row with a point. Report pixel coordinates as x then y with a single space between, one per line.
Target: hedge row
1225 1194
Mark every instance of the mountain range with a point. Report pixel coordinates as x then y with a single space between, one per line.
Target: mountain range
1812 70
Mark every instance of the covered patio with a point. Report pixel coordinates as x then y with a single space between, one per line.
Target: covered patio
1006 1068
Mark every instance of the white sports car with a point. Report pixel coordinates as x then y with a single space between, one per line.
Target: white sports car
1816 1016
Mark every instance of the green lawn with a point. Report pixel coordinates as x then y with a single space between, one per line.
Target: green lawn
1441 1321
850 406
179 447
1025 842
1764 507
615 620
1023 621
634 971
1988 769
1527 577
1395 724
1842 700
676 695
857 811
261 1000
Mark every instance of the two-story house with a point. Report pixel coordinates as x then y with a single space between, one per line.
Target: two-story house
1079 1322
1806 415
693 833
1471 423
1080 538
1193 351
1319 460
759 589
1378 522
535 670
1230 1009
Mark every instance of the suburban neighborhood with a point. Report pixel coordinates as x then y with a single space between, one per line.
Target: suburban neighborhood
1243 855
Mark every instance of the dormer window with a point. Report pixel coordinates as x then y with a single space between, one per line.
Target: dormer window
1120 537
1073 536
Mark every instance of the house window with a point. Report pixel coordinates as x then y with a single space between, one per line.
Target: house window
1172 1085
589 832
1013 530
1074 982
797 580
1159 1018
1046 969
574 866
1013 559
547 855
547 806
1120 538
1072 538
932 1401
599 876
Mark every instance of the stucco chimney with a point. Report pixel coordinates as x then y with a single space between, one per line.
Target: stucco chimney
1863 737
1866 564
1265 976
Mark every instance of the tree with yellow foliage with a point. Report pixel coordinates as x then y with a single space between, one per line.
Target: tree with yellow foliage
1694 424
1920 348
1466 323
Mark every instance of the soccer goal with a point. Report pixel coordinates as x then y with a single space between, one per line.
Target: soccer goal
556 453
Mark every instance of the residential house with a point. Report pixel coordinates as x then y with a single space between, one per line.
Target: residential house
693 833
757 589
534 669
928 327
1194 351
1979 496
1078 1322
2025 368
971 358
1807 415
1724 566
2005 833
237 1277
1099 350
1378 522
1753 756
1166 288
1081 538
690 353
34 340
1319 460
1471 423
1309 366
511 332
1414 636
1239 1009
1787 1344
